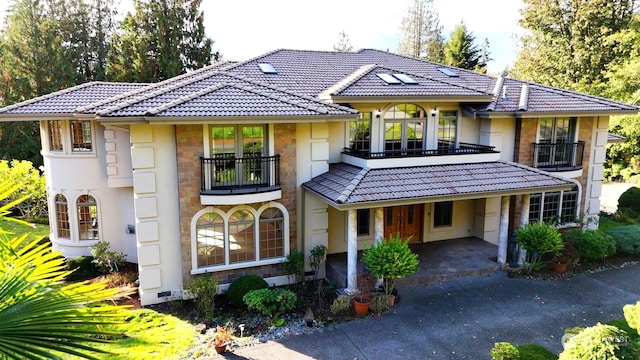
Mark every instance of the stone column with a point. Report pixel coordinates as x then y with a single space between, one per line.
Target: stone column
378 225
524 220
503 231
352 252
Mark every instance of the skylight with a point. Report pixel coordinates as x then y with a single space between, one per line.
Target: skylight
405 78
267 68
448 72
389 79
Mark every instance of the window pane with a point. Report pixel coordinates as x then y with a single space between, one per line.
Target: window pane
534 208
551 206
443 214
271 234
447 128
87 218
252 140
210 240
363 222
359 133
415 133
241 237
569 206
62 216
81 135
55 135
393 136
223 140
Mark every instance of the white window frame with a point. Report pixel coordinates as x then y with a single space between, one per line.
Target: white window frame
66 139
542 195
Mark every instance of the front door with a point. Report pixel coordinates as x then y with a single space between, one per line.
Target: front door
405 220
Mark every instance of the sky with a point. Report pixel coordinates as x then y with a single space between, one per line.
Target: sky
242 29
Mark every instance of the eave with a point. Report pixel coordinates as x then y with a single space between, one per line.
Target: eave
400 99
195 120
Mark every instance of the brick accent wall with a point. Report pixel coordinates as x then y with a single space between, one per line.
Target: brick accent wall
189 150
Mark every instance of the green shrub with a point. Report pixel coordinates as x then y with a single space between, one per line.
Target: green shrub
293 265
106 260
632 315
629 202
271 302
593 244
535 352
379 303
204 288
83 268
390 259
538 239
504 351
341 305
599 342
627 239
624 326
31 183
242 285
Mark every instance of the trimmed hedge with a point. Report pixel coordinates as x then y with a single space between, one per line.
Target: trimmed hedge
242 285
629 202
627 238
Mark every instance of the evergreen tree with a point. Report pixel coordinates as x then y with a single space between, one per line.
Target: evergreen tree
460 50
343 44
162 39
421 32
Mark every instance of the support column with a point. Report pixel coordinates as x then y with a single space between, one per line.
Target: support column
378 225
503 231
352 252
524 220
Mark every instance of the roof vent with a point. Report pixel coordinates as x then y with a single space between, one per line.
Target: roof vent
448 72
267 68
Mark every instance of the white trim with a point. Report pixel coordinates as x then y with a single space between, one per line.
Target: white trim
240 199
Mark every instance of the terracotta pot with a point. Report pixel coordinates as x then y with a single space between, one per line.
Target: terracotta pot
221 348
559 267
391 300
361 304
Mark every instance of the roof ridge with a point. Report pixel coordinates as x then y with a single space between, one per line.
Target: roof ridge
348 190
50 95
496 94
523 104
183 99
347 81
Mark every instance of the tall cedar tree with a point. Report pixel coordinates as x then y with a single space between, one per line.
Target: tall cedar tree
421 32
571 43
460 51
343 44
164 38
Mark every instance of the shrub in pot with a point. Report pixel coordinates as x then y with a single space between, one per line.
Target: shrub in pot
389 260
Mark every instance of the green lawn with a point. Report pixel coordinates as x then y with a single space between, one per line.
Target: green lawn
16 229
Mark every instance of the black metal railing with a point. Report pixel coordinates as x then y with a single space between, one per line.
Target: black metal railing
228 175
558 156
444 148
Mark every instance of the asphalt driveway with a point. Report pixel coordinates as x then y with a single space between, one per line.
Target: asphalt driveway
463 318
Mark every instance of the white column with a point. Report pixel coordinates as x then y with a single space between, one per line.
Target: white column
378 225
524 220
503 231
352 253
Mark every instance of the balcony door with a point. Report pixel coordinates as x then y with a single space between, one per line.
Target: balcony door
405 220
559 134
237 151
404 130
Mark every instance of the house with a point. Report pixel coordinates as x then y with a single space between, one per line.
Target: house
226 169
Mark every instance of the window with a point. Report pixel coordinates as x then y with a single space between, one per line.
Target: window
554 132
240 238
360 133
558 207
363 222
81 135
87 218
55 135
62 216
447 129
404 129
442 214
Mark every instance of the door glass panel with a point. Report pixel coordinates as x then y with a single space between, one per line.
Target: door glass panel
393 136
252 140
546 130
410 214
415 133
223 140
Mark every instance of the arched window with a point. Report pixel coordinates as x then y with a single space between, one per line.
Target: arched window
210 240
271 234
62 216
404 130
242 237
87 218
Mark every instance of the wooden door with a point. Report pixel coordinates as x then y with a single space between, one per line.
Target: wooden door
406 220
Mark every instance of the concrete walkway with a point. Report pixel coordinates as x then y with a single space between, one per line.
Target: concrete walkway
463 318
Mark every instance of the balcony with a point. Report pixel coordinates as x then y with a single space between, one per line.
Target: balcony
558 156
444 148
229 175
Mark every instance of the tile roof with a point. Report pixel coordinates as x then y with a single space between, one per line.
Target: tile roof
66 101
346 184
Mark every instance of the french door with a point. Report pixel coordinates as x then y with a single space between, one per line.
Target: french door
405 220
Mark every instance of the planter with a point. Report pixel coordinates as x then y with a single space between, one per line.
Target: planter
361 304
559 267
221 348
391 300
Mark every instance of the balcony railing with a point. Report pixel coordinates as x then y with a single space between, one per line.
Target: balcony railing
558 156
444 148
230 175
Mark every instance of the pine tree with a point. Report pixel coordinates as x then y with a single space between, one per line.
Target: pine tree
421 32
343 44
460 50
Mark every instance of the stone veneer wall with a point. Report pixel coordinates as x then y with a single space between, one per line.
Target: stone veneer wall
189 150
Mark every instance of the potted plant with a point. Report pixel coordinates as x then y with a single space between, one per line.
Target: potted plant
568 255
222 337
390 259
362 299
538 239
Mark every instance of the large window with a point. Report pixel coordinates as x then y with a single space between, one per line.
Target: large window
554 134
447 129
360 133
80 135
443 214
237 151
62 216
554 207
404 129
239 238
55 135
87 218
